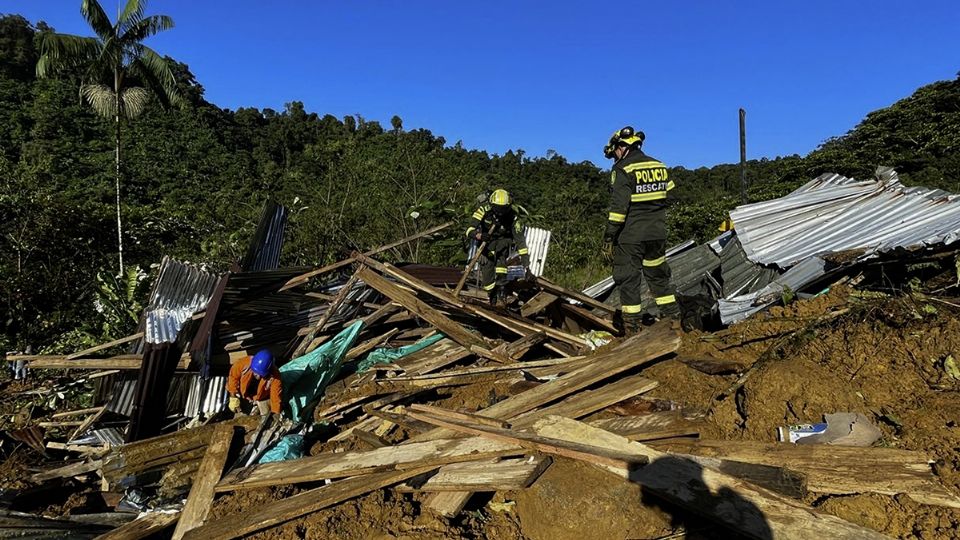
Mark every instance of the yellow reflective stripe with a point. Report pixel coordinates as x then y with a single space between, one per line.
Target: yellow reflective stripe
645 165
655 262
670 185
479 214
630 310
663 300
523 251
490 286
617 218
470 230
501 270
652 196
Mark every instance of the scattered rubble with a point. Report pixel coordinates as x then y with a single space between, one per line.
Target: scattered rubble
534 420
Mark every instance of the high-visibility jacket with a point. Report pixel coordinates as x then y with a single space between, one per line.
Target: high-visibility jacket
241 382
638 199
508 226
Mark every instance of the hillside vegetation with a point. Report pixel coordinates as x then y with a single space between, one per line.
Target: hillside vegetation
196 177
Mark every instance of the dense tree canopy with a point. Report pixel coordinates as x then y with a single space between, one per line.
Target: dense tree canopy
195 179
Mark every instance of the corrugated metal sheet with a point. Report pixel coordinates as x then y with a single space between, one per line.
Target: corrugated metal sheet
263 253
122 395
833 213
205 397
740 307
180 290
538 242
739 274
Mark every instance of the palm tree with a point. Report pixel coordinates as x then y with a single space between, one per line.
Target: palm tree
118 73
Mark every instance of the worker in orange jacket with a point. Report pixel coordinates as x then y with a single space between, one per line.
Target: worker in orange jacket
255 381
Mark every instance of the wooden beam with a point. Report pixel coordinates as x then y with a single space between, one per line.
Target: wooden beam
450 328
461 416
142 527
275 513
329 466
589 401
516 349
736 504
59 361
107 345
836 470
67 471
77 412
538 303
649 427
519 366
501 475
586 315
370 344
331 310
575 450
578 296
303 278
198 504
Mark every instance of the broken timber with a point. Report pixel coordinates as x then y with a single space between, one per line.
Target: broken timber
739 505
198 504
503 475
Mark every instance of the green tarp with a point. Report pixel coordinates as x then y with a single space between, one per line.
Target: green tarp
305 378
385 355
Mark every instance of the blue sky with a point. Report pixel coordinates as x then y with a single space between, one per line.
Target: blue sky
563 75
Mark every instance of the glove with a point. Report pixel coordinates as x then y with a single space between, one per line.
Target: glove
607 249
483 237
234 404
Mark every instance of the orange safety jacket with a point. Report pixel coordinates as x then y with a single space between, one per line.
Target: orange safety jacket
238 384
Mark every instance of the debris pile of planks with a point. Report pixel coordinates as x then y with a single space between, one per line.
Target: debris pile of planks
402 441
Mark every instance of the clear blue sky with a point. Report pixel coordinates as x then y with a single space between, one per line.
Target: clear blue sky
562 74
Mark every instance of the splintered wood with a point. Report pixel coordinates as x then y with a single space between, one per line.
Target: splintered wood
404 424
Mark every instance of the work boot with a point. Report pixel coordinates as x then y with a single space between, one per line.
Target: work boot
632 324
670 311
494 296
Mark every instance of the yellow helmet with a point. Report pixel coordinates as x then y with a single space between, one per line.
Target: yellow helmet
626 136
500 197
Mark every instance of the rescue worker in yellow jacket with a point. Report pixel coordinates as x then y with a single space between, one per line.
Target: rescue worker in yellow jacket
497 224
636 231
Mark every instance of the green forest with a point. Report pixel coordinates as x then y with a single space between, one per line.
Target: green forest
195 177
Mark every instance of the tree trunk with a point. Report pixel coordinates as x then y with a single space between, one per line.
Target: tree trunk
116 88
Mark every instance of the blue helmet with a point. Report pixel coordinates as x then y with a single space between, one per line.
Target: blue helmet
261 363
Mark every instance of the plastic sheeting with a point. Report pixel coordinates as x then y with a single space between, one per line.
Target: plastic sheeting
305 378
289 447
385 355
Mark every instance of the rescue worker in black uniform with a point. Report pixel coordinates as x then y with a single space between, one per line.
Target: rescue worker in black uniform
636 230
496 223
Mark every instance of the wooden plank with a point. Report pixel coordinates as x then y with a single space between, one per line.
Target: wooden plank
519 366
518 326
77 412
836 470
200 499
589 401
457 415
427 365
736 504
331 310
67 471
516 349
142 527
503 475
448 503
575 450
275 513
370 344
328 466
303 278
65 423
369 438
59 361
578 296
107 345
538 303
450 328
586 315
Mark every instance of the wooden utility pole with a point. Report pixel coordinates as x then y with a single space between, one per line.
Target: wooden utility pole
743 156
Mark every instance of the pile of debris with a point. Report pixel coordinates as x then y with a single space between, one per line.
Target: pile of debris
397 383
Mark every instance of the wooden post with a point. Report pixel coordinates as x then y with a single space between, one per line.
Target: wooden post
743 156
